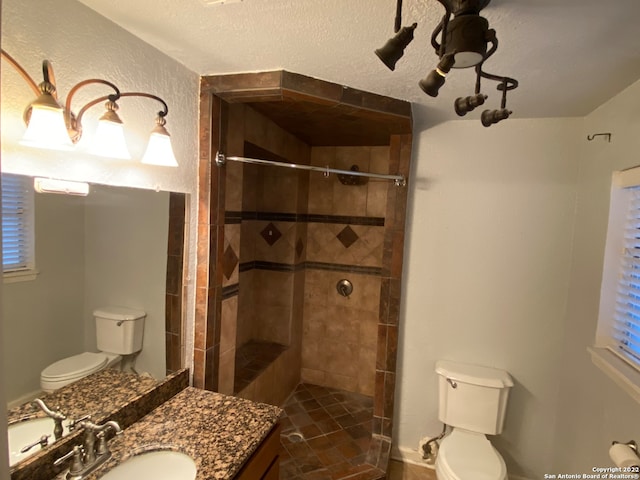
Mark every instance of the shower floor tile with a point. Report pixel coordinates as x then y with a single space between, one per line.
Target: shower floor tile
326 434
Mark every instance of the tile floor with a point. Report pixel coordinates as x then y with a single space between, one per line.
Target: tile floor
326 434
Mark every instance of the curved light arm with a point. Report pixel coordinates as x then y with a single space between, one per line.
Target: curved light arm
23 73
74 122
163 113
506 83
89 81
442 27
165 109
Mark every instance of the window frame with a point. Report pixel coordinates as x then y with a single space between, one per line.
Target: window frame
27 271
623 369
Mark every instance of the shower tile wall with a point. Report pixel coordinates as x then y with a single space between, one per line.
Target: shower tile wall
259 298
340 334
175 288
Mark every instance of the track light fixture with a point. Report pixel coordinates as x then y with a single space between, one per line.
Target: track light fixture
464 105
431 83
462 39
52 126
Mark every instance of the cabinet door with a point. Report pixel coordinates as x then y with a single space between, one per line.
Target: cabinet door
265 462
274 471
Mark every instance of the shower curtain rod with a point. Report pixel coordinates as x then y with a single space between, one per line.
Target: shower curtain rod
398 180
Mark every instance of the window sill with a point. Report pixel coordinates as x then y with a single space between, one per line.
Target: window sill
623 374
22 276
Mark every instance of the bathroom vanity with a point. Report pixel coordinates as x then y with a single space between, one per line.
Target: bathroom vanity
105 395
226 437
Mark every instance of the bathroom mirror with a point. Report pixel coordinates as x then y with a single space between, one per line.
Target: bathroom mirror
111 247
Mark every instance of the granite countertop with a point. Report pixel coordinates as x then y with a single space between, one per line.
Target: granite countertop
98 394
218 431
105 395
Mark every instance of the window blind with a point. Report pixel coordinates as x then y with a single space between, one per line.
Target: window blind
625 327
17 224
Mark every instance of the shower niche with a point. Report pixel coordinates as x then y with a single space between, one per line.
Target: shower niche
274 242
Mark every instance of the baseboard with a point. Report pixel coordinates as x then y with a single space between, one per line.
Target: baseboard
408 455
23 399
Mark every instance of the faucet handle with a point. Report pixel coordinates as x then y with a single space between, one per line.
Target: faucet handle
76 463
73 423
43 441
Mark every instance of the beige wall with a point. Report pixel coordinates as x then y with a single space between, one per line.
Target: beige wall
43 318
126 264
488 266
506 243
592 410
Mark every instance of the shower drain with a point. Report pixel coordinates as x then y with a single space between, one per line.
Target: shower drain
295 437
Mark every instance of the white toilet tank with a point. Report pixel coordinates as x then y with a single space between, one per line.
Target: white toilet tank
119 329
472 397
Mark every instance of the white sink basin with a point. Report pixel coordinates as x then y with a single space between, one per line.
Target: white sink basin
25 433
158 464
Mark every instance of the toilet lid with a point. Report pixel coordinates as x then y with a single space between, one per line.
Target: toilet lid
81 364
469 455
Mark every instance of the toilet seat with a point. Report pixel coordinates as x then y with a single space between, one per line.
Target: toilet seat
73 368
465 455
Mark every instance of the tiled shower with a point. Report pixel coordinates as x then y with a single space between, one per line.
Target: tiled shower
271 325
290 237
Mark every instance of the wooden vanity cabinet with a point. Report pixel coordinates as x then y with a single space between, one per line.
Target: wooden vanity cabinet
264 464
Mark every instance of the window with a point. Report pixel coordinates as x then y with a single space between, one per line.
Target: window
617 348
18 249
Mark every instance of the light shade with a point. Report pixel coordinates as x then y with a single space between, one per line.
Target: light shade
159 150
47 128
109 141
431 83
393 50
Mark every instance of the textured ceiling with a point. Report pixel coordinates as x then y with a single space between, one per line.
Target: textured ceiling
568 55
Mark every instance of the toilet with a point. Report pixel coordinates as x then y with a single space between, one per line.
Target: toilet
119 332
473 401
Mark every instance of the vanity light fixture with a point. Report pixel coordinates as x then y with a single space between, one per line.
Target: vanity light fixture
51 185
465 37
52 126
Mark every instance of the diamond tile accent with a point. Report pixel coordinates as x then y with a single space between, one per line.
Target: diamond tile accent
271 234
299 248
229 262
347 236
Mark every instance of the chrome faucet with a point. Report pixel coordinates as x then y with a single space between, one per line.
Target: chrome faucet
89 456
56 415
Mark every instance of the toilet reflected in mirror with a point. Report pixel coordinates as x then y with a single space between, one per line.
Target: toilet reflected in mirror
119 334
118 246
